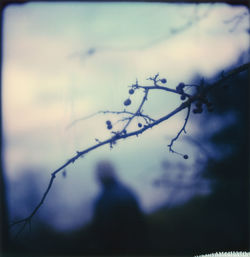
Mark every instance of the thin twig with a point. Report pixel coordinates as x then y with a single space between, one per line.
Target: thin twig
179 133
86 53
146 117
227 76
138 112
164 89
237 19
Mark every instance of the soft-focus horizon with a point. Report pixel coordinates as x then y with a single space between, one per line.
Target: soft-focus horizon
65 61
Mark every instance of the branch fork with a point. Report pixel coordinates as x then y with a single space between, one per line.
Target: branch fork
199 98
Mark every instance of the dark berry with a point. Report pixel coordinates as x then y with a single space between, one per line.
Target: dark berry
163 81
139 125
108 122
195 111
180 86
127 102
185 156
109 126
131 91
183 97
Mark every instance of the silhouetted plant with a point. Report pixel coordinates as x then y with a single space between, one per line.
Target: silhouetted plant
197 101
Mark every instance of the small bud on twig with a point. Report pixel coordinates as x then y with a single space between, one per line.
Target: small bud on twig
127 102
131 91
163 81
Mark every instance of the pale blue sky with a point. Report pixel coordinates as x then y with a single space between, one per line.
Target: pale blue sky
51 78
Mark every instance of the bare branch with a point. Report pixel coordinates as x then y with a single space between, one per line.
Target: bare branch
226 76
179 133
81 119
112 140
189 23
157 87
138 112
236 20
179 91
145 117
116 136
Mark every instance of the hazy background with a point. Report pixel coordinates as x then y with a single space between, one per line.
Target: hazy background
65 61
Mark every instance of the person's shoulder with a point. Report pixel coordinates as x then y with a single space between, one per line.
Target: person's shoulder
126 191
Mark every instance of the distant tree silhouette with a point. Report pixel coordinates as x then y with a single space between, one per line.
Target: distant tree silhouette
229 174
218 221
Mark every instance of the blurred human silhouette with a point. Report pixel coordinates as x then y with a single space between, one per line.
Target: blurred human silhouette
118 225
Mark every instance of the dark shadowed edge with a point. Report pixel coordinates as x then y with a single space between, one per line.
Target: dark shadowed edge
4 235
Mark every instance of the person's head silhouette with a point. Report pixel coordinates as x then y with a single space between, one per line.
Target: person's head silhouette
105 173
118 223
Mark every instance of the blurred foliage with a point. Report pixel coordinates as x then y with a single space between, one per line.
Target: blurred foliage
220 220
